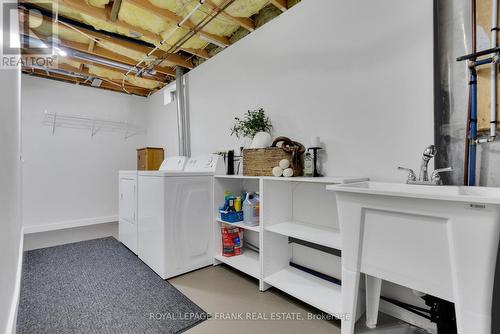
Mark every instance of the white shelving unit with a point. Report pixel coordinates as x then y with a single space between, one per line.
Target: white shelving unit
248 262
316 234
315 291
298 208
241 225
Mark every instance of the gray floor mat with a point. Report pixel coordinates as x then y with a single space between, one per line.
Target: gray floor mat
98 286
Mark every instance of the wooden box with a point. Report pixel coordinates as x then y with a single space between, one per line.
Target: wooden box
149 158
261 161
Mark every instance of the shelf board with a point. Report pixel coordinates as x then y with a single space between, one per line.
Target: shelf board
248 262
236 177
320 293
309 232
241 225
322 179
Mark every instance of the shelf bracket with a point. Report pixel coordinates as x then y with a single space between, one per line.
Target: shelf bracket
93 131
126 133
54 123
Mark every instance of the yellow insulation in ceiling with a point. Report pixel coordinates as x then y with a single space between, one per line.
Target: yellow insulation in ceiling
63 32
218 26
68 61
239 8
35 20
105 73
243 8
194 42
71 35
142 18
97 3
129 53
98 24
115 75
146 20
141 82
172 5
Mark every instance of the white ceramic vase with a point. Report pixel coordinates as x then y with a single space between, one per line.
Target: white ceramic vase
261 140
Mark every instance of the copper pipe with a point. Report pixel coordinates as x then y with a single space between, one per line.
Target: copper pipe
190 34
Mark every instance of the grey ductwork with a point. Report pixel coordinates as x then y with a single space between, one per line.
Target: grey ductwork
182 114
88 57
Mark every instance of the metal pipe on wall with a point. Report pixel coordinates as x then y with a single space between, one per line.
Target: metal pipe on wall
182 119
472 136
494 70
469 106
493 76
472 128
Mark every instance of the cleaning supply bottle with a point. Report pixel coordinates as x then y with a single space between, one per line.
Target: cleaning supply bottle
247 210
308 165
237 204
256 209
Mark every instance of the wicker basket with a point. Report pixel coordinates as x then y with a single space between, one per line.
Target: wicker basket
261 161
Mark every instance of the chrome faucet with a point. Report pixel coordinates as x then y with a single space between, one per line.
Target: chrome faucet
423 178
429 153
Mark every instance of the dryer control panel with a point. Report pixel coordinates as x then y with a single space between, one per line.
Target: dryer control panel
205 163
174 164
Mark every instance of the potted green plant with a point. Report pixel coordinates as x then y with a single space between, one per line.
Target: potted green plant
255 125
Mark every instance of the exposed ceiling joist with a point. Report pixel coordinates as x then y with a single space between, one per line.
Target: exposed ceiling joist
120 45
197 52
171 16
244 22
174 59
280 4
91 45
85 71
105 53
104 14
115 9
67 78
92 48
157 77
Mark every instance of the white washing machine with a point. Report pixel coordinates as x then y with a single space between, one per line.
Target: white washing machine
175 216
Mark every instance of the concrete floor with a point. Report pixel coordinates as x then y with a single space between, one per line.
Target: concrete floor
221 290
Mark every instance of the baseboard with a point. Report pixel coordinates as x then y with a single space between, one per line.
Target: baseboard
11 321
69 224
407 316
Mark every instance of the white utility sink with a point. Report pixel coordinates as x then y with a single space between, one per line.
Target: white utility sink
446 193
440 240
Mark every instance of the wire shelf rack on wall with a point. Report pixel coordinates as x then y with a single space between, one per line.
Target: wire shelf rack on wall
94 125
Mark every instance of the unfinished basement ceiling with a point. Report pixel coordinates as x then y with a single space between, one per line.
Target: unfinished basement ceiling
133 46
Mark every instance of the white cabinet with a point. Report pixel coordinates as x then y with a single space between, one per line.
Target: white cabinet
127 232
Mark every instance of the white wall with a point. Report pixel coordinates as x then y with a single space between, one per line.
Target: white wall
10 195
359 74
71 178
162 124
